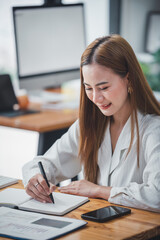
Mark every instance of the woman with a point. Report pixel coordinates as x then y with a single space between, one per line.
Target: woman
116 140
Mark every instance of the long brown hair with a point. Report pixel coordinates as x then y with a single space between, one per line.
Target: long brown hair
115 53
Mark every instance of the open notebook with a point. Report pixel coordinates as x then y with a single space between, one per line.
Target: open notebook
63 202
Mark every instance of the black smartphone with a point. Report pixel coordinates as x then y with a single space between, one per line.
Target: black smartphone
106 213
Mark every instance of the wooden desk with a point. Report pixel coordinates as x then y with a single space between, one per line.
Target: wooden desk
43 121
139 224
50 124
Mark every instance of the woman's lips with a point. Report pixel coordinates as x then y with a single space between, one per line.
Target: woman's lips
104 107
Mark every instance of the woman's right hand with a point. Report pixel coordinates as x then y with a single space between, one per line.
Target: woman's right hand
38 189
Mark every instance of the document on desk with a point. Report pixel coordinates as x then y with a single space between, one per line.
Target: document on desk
35 226
63 202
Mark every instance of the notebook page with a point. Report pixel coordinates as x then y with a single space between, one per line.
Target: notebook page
63 204
14 196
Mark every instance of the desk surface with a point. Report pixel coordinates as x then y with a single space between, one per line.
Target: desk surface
138 225
43 121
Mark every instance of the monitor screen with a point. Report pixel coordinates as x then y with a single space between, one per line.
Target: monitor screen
49 43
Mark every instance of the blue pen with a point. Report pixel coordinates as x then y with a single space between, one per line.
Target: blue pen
44 175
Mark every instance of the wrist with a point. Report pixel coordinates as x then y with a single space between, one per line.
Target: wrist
103 192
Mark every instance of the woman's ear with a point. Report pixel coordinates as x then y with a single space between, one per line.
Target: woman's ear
126 78
129 85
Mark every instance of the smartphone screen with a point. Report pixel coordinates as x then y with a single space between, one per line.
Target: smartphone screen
106 213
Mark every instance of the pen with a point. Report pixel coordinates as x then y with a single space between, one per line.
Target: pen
44 175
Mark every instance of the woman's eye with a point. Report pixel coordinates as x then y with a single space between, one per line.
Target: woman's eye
104 88
88 89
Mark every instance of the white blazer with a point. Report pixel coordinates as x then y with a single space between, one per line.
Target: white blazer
132 186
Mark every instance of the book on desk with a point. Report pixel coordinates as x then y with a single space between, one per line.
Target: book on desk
18 198
21 216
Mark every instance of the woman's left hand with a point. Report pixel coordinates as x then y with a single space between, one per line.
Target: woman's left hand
87 189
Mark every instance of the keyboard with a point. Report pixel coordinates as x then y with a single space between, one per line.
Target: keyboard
7 181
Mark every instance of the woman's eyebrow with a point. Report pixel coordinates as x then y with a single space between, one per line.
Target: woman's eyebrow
101 83
86 84
98 84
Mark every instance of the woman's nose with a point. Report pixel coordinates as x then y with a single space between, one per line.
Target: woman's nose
97 97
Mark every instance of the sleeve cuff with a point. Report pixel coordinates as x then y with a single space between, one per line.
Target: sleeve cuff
117 195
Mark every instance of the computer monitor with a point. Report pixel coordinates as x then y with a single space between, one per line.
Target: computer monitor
49 43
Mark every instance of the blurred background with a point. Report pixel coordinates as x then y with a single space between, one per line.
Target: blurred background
136 20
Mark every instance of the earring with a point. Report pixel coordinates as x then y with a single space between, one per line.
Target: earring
130 89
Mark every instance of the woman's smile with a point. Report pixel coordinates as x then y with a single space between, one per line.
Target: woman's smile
104 107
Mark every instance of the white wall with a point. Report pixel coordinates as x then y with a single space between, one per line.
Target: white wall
97 17
133 20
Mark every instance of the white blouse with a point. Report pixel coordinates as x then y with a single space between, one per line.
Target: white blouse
132 186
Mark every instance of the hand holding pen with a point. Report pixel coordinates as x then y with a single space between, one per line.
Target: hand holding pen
40 189
45 177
